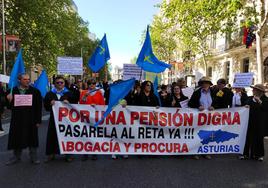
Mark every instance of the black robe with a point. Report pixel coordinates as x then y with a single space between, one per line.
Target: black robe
223 101
23 131
165 101
52 145
178 101
143 100
194 101
244 100
254 146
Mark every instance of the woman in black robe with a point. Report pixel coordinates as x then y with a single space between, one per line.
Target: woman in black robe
254 147
176 97
59 93
146 96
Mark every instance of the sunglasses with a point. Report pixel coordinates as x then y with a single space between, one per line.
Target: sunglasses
92 83
148 85
59 82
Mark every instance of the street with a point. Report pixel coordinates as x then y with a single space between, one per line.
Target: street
148 171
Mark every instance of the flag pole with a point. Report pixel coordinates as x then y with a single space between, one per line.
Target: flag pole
4 37
11 90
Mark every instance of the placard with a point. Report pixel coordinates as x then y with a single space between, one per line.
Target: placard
132 71
23 100
242 80
4 78
70 65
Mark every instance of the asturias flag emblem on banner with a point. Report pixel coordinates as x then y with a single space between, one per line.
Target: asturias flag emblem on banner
100 56
147 60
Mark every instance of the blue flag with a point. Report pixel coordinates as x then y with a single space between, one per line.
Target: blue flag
100 56
147 60
42 83
156 90
117 92
18 68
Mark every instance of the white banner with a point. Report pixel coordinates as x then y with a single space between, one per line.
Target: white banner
132 71
150 131
70 65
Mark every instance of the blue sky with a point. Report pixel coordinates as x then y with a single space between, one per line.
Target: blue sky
123 21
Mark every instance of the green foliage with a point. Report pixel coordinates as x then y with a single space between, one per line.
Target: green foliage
192 22
134 60
48 29
163 39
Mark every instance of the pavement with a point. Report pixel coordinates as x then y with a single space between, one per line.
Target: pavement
149 171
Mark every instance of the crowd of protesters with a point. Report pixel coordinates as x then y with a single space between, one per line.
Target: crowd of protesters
206 96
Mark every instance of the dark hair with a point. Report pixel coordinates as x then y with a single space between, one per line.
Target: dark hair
21 75
57 78
178 85
221 81
143 85
163 87
91 80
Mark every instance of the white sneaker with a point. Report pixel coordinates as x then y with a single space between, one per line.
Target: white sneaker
114 157
260 159
2 131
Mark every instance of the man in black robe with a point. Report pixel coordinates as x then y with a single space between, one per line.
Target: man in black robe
25 103
222 96
58 93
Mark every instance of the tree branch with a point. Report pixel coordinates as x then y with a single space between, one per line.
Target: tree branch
265 18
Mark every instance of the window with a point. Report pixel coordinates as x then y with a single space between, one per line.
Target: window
210 71
228 37
213 41
227 70
246 64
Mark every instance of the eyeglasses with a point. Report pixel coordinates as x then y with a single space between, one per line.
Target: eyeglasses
59 82
176 88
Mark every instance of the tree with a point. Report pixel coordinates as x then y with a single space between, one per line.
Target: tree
133 60
262 17
48 29
196 20
163 39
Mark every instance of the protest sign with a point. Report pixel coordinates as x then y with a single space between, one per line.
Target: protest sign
149 131
184 104
23 100
132 71
188 91
70 65
4 78
242 80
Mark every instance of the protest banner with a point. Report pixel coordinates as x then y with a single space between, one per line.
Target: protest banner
149 131
70 65
132 71
242 80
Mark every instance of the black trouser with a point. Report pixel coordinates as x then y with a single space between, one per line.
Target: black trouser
254 146
32 153
1 128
